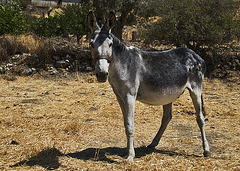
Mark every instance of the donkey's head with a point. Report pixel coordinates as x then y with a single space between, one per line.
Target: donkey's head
101 44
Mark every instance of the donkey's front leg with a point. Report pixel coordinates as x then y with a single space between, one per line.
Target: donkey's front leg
128 105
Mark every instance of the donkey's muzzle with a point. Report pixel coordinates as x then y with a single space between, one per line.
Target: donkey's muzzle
102 76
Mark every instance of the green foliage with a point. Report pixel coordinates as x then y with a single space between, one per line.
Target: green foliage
12 21
73 19
22 3
122 8
202 25
47 26
103 7
147 8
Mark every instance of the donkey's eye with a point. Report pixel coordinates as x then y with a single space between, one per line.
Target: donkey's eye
110 45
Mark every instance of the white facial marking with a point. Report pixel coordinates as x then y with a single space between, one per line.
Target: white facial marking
102 65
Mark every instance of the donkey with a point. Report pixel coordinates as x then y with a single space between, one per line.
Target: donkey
152 77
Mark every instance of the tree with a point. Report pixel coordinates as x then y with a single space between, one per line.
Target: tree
59 3
74 20
22 3
202 25
122 8
46 26
12 21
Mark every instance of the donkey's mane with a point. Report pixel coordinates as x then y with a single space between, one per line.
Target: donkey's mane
118 44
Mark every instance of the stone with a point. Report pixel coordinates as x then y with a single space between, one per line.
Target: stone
62 64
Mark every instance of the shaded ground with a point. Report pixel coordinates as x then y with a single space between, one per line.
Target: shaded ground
74 124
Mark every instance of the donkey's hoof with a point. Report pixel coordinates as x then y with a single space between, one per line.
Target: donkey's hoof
130 159
207 154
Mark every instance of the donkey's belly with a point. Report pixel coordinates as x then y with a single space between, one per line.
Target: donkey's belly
159 96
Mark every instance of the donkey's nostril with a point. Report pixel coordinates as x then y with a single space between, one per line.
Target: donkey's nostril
102 76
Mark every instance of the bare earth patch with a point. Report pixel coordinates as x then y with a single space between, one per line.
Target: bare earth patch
77 125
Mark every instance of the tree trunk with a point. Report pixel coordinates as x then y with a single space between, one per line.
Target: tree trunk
78 39
101 15
118 29
59 3
99 12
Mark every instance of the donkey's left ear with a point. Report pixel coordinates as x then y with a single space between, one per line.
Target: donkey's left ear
111 21
92 23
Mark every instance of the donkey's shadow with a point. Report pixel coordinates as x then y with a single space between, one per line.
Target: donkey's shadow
103 153
49 158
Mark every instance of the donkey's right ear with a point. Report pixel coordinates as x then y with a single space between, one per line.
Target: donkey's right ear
92 22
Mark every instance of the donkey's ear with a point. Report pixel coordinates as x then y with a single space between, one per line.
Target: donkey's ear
92 23
111 21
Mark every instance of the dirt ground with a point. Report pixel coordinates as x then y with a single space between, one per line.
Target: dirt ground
76 124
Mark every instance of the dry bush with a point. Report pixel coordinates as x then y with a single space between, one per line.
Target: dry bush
44 51
38 53
29 41
10 45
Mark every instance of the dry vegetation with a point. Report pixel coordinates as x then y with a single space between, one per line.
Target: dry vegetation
76 124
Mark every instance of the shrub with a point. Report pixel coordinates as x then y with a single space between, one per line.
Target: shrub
12 21
202 25
74 19
23 3
47 26
10 46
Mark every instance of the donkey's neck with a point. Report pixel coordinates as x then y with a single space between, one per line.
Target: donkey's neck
118 46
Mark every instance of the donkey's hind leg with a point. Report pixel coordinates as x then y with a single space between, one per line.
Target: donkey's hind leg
167 116
196 95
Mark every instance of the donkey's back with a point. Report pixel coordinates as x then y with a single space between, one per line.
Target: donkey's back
165 74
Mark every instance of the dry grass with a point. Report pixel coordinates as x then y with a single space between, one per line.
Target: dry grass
43 49
11 45
77 125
